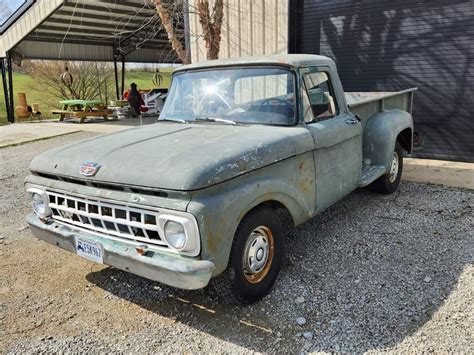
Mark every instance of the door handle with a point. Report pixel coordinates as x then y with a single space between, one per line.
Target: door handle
351 121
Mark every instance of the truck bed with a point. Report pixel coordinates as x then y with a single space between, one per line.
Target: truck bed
366 104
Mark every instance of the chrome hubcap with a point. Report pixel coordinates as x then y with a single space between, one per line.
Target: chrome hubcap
394 168
257 251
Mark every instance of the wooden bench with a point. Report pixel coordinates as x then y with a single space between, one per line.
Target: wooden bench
82 109
82 115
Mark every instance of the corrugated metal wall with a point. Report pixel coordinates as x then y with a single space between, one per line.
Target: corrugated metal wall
386 45
250 28
74 51
87 30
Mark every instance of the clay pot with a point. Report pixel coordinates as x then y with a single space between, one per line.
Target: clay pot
36 110
22 109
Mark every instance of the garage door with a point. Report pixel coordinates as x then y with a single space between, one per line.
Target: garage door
383 45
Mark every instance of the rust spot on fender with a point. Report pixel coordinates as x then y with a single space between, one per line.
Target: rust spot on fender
211 244
215 237
305 185
211 240
242 165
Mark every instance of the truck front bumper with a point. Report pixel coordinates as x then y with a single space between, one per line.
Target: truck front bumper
176 271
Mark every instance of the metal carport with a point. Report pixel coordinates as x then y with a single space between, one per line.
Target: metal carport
85 30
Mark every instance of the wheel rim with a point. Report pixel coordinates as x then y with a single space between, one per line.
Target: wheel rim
258 255
394 167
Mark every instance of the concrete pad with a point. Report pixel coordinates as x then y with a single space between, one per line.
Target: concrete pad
20 133
26 132
441 172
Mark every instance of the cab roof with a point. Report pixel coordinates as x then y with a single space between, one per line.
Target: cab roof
292 60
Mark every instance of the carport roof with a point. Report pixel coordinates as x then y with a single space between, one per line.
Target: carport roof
89 30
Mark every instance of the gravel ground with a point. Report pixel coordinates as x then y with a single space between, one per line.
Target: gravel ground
372 274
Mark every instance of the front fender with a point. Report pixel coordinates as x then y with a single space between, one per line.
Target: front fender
219 209
380 135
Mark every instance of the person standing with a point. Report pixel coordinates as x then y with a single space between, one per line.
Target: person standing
134 98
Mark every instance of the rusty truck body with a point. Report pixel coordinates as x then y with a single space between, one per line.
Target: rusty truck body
242 148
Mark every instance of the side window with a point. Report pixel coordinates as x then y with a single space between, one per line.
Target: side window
307 111
321 95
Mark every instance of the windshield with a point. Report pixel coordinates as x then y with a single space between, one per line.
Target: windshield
236 95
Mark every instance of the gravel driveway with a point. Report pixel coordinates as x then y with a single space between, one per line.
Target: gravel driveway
373 273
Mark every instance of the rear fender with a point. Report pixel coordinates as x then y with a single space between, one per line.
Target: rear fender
380 135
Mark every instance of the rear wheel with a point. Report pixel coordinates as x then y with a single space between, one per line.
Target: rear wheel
388 183
255 260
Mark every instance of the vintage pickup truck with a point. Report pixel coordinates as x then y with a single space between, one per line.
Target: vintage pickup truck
243 149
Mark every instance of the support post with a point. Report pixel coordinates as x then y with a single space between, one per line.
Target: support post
10 86
5 88
123 74
117 93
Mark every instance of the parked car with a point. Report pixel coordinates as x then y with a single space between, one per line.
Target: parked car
243 147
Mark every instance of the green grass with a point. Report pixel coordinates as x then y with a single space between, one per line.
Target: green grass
47 102
22 83
144 80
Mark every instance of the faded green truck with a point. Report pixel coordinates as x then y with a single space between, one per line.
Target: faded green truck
243 149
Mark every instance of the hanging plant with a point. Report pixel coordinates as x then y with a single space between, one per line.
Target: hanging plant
157 78
66 78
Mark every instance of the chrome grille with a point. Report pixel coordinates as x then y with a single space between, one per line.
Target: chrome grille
106 217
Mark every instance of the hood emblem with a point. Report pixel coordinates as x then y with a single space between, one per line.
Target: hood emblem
89 169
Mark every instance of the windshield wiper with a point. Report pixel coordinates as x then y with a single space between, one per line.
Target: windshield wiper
171 120
215 119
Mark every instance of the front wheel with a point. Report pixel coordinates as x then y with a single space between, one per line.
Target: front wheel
388 183
256 257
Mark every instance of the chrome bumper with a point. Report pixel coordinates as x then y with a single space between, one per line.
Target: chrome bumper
176 271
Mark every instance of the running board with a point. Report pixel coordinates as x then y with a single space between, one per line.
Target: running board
370 173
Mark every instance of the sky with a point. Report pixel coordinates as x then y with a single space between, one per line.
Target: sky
8 7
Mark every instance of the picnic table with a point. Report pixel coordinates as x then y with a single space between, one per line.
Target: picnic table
82 109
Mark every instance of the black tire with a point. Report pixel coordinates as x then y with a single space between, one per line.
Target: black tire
388 183
235 285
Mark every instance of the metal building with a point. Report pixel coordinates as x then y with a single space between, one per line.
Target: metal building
385 45
249 28
378 45
83 30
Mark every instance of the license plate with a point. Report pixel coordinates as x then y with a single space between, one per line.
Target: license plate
90 250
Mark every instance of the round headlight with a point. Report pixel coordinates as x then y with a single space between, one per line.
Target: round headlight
39 206
175 234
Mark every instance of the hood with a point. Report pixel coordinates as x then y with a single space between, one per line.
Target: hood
176 156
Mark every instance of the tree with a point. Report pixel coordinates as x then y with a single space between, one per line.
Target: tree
211 24
90 80
167 13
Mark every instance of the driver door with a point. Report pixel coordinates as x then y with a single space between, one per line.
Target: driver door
337 136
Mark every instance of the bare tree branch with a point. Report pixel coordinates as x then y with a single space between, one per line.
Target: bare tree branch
91 80
167 20
211 26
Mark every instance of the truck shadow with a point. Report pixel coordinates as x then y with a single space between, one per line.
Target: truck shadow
371 271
